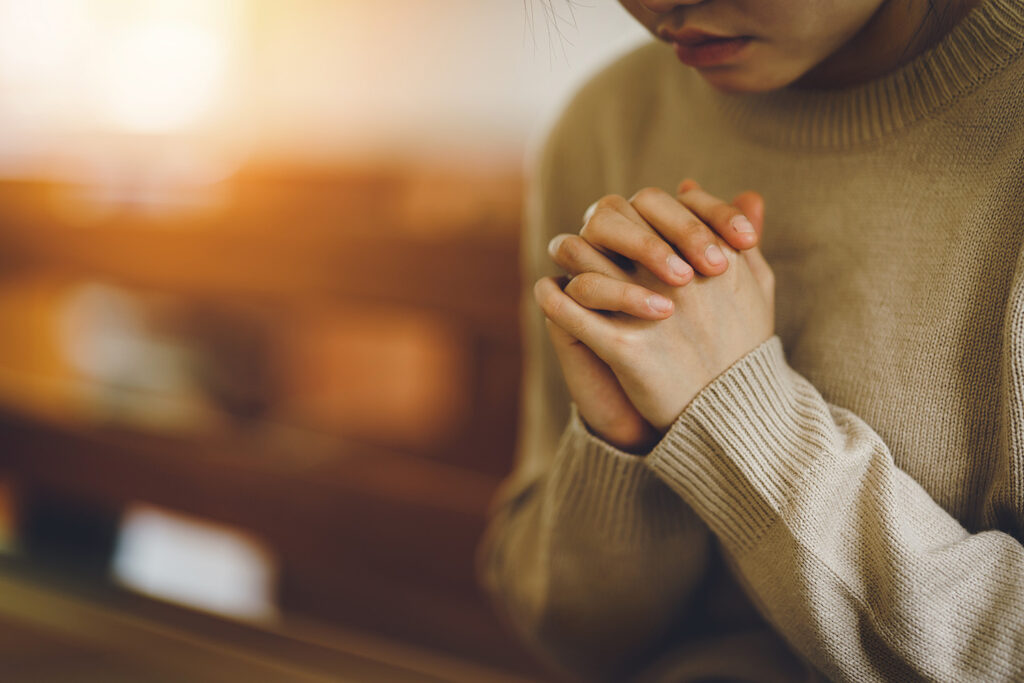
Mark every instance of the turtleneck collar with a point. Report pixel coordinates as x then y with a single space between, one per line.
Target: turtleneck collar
985 41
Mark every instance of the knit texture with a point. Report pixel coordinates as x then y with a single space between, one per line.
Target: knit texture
846 501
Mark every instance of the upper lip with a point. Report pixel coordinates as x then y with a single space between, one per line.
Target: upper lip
691 36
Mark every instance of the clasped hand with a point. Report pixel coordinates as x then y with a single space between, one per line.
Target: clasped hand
664 294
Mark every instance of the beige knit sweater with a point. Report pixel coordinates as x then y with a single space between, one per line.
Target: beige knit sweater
847 500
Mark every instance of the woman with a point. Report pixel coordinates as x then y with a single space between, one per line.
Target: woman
805 459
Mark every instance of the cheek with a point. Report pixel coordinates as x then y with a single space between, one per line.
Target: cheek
811 30
794 36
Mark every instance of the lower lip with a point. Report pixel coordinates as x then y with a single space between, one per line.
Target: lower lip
711 53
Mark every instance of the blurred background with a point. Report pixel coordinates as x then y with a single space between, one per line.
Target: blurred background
259 348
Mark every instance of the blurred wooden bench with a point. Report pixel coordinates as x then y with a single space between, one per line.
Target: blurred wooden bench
375 528
66 631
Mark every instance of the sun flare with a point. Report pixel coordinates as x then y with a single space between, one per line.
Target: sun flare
162 76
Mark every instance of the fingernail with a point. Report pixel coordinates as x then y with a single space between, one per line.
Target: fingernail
714 255
742 224
553 244
659 303
679 266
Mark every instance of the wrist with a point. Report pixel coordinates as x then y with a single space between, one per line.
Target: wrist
637 439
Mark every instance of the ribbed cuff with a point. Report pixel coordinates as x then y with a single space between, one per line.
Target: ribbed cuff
605 488
745 444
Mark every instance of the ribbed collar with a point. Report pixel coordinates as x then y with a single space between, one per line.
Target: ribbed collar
988 39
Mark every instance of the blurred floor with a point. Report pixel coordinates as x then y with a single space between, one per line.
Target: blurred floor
56 633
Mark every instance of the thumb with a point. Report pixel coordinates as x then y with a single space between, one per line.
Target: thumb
752 205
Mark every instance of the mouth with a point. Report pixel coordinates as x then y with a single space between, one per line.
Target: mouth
692 36
716 51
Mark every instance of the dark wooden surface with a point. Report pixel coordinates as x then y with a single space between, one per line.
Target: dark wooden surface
377 541
54 630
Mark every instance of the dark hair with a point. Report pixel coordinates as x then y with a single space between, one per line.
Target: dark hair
553 21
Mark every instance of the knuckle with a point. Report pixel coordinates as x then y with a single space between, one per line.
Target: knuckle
538 290
599 225
610 202
553 306
585 286
625 292
691 195
543 296
568 250
693 228
626 341
602 215
655 246
636 297
592 227
647 195
555 246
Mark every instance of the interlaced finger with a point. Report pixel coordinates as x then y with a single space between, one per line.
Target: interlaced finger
609 229
575 255
724 218
674 222
600 292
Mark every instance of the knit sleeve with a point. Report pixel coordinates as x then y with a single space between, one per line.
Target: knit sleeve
850 559
588 554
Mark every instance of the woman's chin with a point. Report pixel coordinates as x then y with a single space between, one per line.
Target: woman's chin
738 80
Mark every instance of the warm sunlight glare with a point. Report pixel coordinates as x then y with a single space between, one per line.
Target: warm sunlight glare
121 85
146 66
162 76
